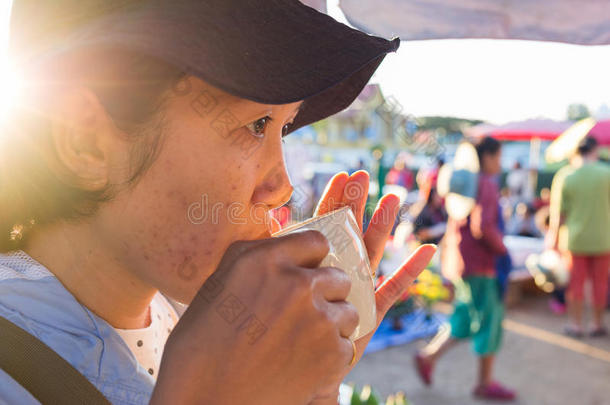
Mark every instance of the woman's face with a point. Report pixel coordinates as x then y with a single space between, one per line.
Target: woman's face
219 172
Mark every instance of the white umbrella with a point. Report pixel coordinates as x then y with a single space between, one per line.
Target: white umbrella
319 5
585 22
567 143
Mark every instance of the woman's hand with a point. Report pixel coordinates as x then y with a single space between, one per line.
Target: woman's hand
353 191
268 327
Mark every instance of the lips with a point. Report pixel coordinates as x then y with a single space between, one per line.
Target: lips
262 229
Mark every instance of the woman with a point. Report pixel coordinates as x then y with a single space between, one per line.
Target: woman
472 246
144 160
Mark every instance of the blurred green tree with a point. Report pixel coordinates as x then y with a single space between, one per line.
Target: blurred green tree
577 112
449 124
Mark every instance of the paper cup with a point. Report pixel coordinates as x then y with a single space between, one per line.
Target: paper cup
348 253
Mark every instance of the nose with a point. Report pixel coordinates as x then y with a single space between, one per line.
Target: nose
275 189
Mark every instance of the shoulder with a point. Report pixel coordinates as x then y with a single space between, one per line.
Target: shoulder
563 173
33 299
488 187
487 181
603 168
593 170
13 393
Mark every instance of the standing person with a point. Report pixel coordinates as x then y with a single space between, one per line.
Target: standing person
517 182
400 174
426 178
471 248
381 170
584 206
142 162
431 222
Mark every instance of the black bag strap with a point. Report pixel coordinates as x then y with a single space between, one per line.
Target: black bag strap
45 374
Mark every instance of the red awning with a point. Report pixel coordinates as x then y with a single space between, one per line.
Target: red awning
521 130
601 132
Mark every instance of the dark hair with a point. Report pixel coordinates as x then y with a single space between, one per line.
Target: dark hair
487 146
587 145
431 195
131 88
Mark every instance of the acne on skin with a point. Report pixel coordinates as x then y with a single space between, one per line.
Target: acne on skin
143 236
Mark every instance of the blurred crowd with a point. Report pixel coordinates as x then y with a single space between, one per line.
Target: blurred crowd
569 221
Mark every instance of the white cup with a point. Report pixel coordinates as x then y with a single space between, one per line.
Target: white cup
348 253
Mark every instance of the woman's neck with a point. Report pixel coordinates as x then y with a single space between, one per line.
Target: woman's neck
95 277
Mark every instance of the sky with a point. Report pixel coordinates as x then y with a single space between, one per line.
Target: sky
491 80
4 14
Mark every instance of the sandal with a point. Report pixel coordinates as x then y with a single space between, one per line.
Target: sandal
494 391
573 332
424 369
598 332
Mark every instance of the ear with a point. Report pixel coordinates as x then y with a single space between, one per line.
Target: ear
83 135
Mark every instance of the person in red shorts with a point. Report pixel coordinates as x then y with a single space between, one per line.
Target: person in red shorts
584 208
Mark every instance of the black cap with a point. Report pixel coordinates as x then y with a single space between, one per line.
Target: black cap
268 51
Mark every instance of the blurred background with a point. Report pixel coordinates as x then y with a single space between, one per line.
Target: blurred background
424 100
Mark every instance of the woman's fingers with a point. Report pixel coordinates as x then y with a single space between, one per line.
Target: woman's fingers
346 318
345 190
355 194
332 197
353 191
390 291
333 284
380 227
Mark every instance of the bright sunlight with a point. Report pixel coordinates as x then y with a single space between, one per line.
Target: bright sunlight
8 79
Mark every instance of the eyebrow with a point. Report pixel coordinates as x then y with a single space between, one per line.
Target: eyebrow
298 109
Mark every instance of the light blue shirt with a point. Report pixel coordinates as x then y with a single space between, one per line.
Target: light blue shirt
33 299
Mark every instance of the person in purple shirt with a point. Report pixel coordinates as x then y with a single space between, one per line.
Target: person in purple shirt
471 249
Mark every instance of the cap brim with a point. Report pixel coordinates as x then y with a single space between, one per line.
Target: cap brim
271 52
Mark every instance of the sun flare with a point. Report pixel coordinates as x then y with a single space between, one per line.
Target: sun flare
9 89
8 80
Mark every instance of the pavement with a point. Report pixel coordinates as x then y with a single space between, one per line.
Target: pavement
544 366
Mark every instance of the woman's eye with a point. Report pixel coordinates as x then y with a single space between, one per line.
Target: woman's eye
257 128
285 129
